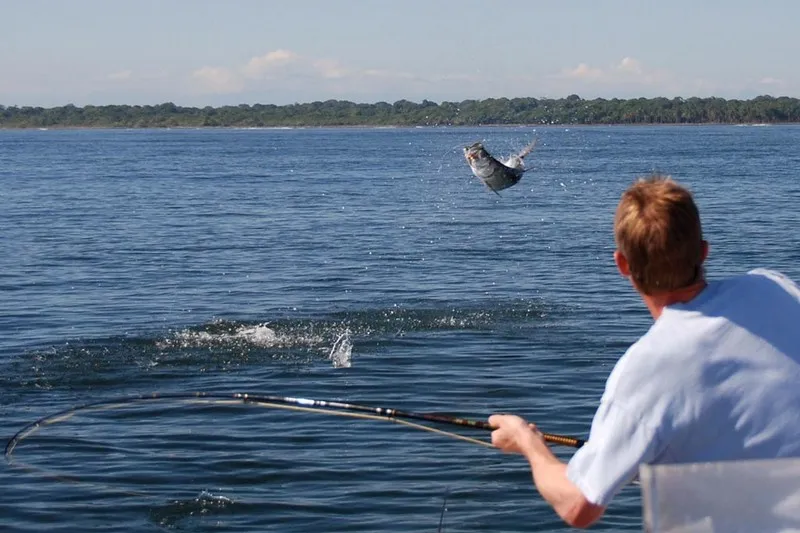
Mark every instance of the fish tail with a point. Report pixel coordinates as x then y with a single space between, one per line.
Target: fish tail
525 151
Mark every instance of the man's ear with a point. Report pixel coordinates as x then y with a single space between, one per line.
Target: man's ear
622 264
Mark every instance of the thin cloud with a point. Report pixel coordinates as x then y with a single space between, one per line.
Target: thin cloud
472 78
260 66
583 72
627 77
387 74
121 75
629 64
286 72
329 68
284 67
217 80
627 70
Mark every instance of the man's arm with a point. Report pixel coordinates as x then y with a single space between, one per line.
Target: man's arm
514 435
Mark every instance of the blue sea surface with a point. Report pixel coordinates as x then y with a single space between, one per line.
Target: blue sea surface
360 265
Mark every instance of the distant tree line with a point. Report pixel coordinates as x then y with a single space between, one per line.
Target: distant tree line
570 110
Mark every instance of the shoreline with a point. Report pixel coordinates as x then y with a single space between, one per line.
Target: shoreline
572 111
400 126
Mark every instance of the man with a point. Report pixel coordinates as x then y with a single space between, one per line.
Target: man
716 377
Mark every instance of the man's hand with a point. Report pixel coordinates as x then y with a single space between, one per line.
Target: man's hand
515 435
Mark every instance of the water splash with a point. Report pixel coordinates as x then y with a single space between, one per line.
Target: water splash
341 351
259 335
227 345
173 514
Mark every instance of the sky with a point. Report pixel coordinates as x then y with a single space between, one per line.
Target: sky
203 52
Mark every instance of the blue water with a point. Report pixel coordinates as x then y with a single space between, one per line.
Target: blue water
148 261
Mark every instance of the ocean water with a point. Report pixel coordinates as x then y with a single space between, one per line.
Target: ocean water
360 265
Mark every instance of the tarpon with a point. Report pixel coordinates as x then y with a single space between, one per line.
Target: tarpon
497 175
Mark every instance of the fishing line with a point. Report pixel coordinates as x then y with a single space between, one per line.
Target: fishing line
283 402
334 408
444 508
448 152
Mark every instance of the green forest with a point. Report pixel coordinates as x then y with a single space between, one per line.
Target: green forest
529 111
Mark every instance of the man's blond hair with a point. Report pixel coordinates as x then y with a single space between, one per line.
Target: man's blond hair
657 229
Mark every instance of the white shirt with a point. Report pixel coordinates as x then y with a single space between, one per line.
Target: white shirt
717 378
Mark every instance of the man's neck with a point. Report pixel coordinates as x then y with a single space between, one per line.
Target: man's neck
657 302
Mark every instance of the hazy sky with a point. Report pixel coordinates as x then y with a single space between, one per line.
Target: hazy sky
203 52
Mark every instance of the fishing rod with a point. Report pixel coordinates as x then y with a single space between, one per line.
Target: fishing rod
396 413
285 402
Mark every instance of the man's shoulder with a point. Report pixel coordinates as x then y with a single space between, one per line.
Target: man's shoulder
757 285
659 353
775 276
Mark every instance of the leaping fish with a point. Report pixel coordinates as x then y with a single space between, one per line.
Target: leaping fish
497 175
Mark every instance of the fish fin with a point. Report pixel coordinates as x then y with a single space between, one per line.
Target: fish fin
493 190
489 186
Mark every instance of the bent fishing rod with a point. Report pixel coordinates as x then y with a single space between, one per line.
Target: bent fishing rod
396 413
285 402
